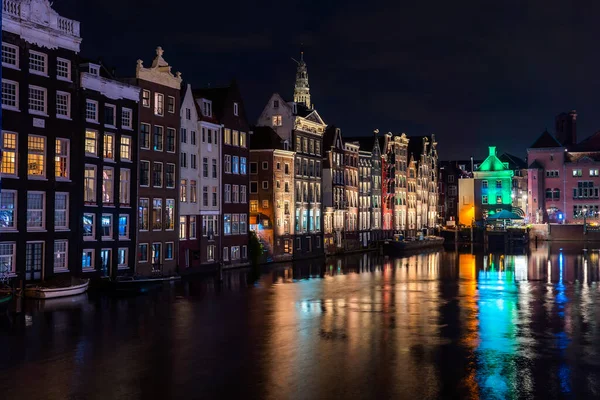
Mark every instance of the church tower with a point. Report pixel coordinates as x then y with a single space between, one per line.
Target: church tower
301 89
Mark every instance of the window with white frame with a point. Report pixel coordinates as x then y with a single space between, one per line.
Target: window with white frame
123 226
8 153
89 226
61 211
106 227
10 94
192 227
171 104
207 108
170 140
157 214
170 176
235 253
63 69
143 252
36 156
236 109
227 167
265 185
38 63
227 196
8 210
158 139
126 118
87 260
182 227
89 184
243 189
60 256
277 120
108 191
210 252
169 246
243 224
183 191
125 148
144 214
36 210
193 191
156 255
235 224
91 110
10 56
243 139
124 187
61 159
91 143
8 255
145 98
159 104
37 100
235 194
145 136
122 257
63 104
110 115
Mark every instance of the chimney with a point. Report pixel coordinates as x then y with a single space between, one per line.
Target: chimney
566 128
492 150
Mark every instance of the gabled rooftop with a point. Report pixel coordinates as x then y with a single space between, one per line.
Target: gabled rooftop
545 140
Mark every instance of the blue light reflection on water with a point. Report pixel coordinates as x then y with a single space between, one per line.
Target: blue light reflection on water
562 339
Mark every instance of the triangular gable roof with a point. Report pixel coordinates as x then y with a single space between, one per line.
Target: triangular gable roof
492 162
535 165
315 117
332 134
545 140
591 143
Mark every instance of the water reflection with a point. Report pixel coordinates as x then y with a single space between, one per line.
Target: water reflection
451 324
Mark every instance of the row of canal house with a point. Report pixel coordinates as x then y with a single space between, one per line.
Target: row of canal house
95 168
312 192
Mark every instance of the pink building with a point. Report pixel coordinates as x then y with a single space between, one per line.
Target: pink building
563 179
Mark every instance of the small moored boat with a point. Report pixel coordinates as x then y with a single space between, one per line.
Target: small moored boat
51 290
396 245
134 284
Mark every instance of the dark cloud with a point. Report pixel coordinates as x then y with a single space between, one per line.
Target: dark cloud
472 72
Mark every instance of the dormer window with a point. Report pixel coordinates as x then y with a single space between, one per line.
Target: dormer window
275 103
94 69
207 108
236 109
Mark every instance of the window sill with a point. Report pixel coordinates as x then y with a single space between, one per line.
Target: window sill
91 121
8 176
108 239
110 126
62 230
11 108
41 230
64 117
124 239
126 160
35 178
39 73
89 239
125 205
39 113
16 68
127 128
122 267
62 78
90 205
63 180
109 160
88 269
9 230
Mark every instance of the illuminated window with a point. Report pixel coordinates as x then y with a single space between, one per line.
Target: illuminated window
484 184
124 187
170 214
125 148
89 184
108 185
8 153
157 214
498 199
182 227
159 104
109 146
36 156
144 214
183 191
193 192
277 120
123 226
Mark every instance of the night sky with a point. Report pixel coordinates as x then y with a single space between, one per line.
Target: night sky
473 72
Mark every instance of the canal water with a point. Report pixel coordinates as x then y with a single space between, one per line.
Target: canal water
450 324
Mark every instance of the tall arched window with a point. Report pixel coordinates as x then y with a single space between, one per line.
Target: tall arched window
549 193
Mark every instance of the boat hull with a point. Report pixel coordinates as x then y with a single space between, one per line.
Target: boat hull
406 246
36 292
